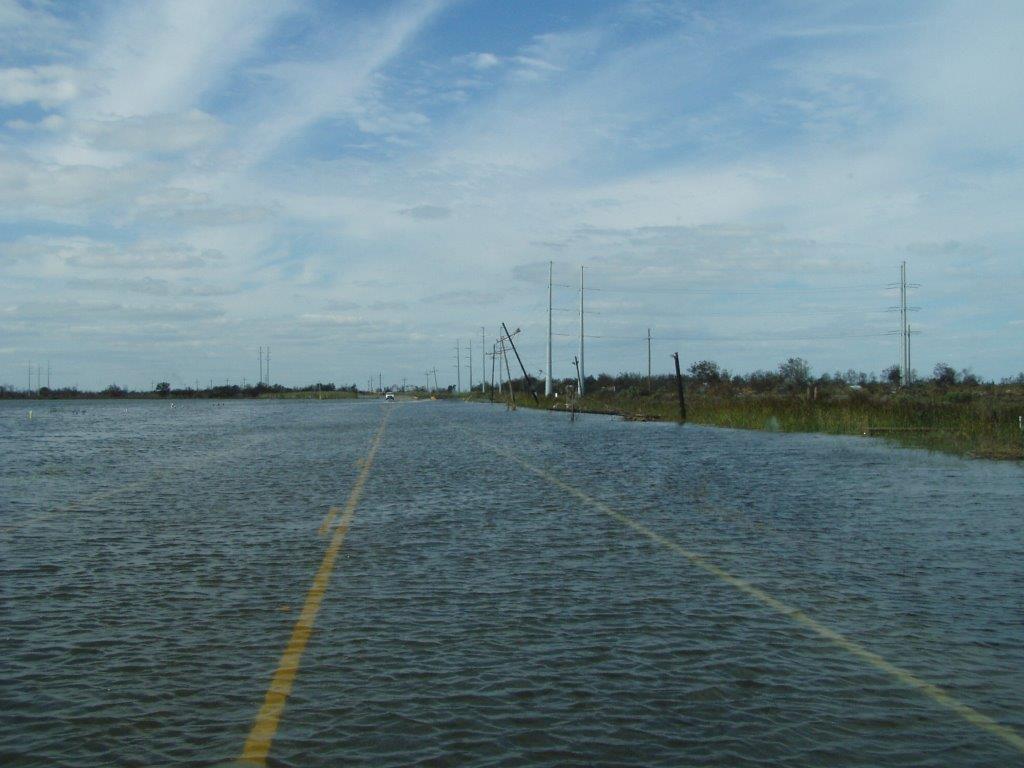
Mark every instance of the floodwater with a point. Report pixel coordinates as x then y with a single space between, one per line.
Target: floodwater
513 589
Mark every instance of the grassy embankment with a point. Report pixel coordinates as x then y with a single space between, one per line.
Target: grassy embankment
970 424
311 394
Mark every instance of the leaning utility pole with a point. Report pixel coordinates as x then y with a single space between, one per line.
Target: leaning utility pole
679 387
508 371
583 373
526 376
548 389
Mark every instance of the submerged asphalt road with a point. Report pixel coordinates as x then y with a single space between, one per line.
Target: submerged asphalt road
352 582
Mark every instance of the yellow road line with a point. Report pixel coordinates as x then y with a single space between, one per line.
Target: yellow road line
328 519
933 692
257 745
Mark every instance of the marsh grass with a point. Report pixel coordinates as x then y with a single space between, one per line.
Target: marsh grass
311 394
976 425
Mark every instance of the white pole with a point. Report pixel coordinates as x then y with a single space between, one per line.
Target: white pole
548 388
583 375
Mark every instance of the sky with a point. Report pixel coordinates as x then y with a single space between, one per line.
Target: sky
361 186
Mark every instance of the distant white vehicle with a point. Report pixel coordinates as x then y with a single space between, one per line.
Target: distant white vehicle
389 395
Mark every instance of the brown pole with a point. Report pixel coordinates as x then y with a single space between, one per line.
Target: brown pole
529 381
679 387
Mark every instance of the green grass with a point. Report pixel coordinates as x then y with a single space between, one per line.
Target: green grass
965 424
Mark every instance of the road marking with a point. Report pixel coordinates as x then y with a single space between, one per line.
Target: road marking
264 727
328 520
933 692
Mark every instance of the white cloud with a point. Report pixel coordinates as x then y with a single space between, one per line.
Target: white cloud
47 86
157 133
162 57
480 61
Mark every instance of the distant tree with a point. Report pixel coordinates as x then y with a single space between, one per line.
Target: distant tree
892 374
968 377
114 391
705 372
163 389
944 374
796 372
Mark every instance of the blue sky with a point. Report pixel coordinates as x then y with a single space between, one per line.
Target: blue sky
360 184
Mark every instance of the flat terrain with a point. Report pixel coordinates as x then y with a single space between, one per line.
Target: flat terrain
306 583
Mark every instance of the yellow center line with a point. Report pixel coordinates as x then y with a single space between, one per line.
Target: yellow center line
933 692
264 727
328 519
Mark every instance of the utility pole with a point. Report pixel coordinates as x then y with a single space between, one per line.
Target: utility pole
469 349
494 356
29 390
47 374
268 367
435 378
427 388
548 389
904 354
582 372
403 383
508 371
576 362
679 387
650 388
910 379
261 365
380 382
458 366
526 376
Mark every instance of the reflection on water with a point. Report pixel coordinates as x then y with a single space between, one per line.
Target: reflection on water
153 561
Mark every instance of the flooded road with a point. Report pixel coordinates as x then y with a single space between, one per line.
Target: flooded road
505 589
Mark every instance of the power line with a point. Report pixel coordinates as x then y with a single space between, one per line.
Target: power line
739 338
722 291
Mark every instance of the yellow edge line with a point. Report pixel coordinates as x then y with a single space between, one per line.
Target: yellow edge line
264 727
933 692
